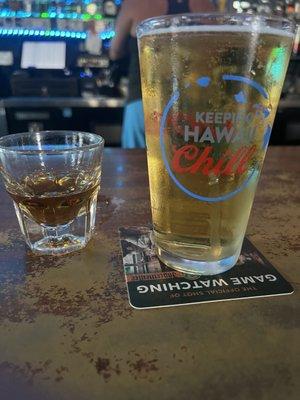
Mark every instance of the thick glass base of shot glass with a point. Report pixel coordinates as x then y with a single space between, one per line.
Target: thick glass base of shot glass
61 239
193 266
59 245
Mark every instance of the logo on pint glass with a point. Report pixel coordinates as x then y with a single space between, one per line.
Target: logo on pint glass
213 153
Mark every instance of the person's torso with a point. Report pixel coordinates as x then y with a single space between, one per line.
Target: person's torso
178 7
152 8
173 7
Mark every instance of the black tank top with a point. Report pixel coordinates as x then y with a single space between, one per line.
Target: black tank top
134 89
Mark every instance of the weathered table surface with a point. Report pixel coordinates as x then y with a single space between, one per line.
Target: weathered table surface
68 332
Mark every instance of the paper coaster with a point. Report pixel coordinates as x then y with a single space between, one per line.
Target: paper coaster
150 283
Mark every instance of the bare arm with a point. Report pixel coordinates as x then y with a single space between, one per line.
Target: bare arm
123 26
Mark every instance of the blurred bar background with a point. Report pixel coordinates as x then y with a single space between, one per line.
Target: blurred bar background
55 72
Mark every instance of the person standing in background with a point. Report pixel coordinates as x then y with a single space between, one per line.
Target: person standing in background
131 14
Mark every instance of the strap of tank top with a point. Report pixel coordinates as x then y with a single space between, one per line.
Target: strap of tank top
178 7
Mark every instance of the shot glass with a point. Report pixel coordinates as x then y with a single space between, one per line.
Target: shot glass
53 178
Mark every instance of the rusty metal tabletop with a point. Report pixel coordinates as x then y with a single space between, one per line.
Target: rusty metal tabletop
68 332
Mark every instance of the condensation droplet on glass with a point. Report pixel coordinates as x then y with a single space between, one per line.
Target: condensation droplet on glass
213 179
260 65
230 177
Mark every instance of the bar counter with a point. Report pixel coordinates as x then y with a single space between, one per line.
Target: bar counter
68 332
89 102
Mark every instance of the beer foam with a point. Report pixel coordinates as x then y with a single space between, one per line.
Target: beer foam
262 30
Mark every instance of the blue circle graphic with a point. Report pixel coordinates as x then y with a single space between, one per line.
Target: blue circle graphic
204 82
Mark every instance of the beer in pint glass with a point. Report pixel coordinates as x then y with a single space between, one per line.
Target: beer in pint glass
211 86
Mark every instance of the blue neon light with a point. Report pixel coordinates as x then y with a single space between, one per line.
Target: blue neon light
52 14
37 33
107 35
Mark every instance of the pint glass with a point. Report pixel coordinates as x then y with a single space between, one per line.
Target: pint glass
211 86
